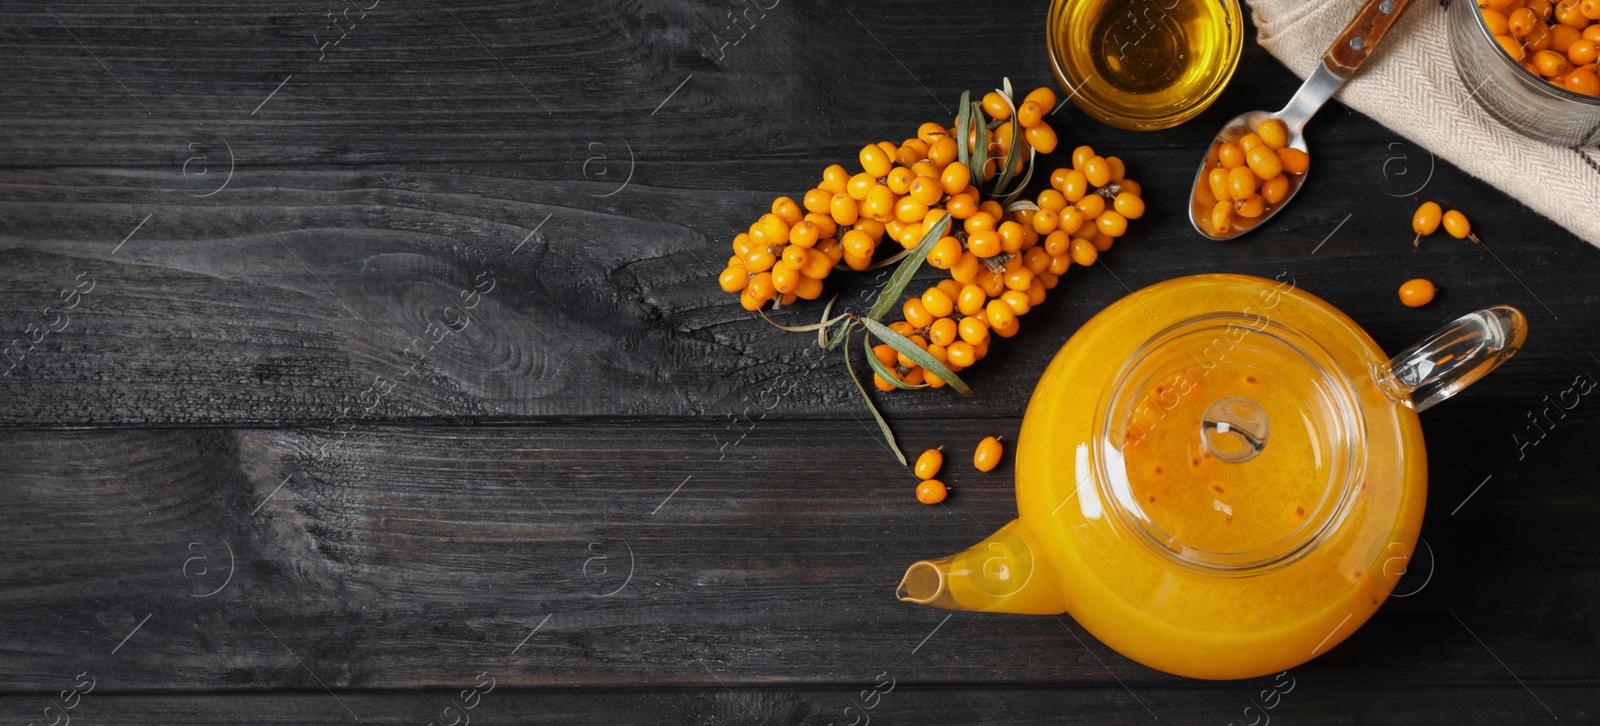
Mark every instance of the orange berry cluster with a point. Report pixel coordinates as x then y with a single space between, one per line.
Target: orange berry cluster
999 270
901 190
1248 178
1558 42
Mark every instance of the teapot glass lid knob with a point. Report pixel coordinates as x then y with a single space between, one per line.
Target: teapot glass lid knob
1234 429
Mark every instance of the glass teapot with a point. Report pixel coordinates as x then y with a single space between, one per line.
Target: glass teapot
1220 476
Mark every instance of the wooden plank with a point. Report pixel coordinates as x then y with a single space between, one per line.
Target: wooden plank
1308 701
301 296
603 554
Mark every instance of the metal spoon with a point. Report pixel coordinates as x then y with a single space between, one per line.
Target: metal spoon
1347 53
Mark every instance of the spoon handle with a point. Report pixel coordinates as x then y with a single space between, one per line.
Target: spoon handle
1361 36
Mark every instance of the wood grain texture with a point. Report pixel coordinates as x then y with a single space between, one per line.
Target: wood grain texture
403 557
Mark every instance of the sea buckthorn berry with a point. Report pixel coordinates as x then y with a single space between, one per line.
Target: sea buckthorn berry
1416 293
925 191
775 229
1582 80
915 314
993 209
857 263
1264 162
1273 133
930 132
747 302
1590 9
1030 113
1222 218
1059 264
1497 21
909 210
1080 155
984 243
937 302
899 180
943 151
950 287
974 330
961 206
785 278
979 222
1275 190
1132 187
885 354
1091 206
736 261
943 332
1217 180
834 178
1040 136
1582 52
810 288
1230 156
1551 63
1045 221
956 178
803 234
1083 251
733 279
844 209
912 151
999 314
971 299
996 107
1010 236
741 243
761 287
826 227
787 210
882 385
1294 160
902 327
1562 37
859 185
945 253
879 204
817 265
1250 207
1568 12
857 243
987 456
961 353
1425 221
831 249
966 269
1250 141
1075 186
817 200
1241 183
1128 205
760 259
1538 39
1102 241
875 160
1018 279
794 255
1456 224
928 464
1036 259
1511 46
1051 200
1111 224
1017 300
1036 290
1071 220
1097 171
992 283
909 235
1119 170
1043 96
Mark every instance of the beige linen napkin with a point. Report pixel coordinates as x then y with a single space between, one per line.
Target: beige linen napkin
1436 112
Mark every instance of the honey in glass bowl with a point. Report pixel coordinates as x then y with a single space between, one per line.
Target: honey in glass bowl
1144 64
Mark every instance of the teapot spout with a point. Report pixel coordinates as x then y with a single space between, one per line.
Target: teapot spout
1009 573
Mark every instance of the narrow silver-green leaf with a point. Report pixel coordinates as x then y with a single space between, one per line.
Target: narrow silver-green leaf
888 375
908 267
835 338
917 355
1011 156
804 328
1022 205
822 328
888 436
980 154
963 126
1033 160
1006 82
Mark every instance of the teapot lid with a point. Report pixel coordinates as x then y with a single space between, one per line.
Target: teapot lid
1230 443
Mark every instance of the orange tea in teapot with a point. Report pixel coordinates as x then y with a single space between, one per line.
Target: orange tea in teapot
1219 476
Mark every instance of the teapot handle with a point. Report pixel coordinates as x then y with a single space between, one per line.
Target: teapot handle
1454 357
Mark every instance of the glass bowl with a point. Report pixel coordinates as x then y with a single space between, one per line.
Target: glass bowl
1511 94
1144 65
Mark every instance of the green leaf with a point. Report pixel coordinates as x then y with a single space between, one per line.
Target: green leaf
1033 160
835 338
1022 205
917 355
805 328
1006 91
888 436
964 125
888 375
908 267
1011 156
822 328
980 155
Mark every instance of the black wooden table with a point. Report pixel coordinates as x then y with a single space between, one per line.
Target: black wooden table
262 464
